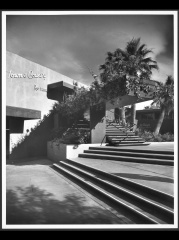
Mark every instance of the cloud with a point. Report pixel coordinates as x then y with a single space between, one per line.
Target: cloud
71 44
166 69
168 37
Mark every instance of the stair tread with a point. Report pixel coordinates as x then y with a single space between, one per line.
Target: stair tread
116 136
130 140
128 144
125 137
117 186
130 153
117 130
120 134
77 161
125 201
134 150
80 128
124 157
121 141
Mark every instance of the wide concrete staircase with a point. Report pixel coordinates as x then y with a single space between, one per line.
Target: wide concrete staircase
117 134
139 204
130 155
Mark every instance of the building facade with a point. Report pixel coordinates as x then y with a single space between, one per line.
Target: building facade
32 90
26 95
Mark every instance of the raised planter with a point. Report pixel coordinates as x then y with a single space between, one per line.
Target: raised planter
60 152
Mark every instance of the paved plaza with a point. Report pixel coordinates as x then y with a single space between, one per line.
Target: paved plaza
37 194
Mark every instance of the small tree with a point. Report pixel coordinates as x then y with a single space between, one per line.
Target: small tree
74 105
164 97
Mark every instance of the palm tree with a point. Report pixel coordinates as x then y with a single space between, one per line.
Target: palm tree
165 99
131 63
139 64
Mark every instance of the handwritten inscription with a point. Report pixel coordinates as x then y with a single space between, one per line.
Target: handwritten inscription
30 75
36 88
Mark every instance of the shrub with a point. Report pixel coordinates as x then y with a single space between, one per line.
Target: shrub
71 136
149 136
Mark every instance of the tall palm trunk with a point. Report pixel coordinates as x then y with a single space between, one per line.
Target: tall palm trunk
160 121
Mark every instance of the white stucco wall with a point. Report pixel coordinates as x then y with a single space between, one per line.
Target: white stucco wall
26 85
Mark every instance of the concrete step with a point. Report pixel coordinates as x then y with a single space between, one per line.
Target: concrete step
157 196
164 152
128 153
117 129
127 144
125 138
122 136
140 207
81 128
113 123
127 159
126 141
81 125
117 133
114 127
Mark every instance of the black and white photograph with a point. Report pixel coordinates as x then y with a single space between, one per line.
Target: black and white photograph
89 109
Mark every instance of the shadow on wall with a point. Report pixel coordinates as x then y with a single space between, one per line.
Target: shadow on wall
32 205
34 144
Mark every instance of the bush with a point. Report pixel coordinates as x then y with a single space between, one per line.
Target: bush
72 136
149 136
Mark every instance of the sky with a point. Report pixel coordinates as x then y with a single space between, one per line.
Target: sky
71 44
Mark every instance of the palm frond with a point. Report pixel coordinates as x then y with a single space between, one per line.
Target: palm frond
148 60
152 66
119 52
102 67
140 49
109 56
145 52
132 46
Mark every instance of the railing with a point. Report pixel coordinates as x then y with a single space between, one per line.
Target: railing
128 126
74 128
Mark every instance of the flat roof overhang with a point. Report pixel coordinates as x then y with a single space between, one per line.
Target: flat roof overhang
24 113
148 110
55 91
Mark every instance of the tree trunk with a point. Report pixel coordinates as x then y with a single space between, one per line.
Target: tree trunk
117 114
133 113
160 121
122 115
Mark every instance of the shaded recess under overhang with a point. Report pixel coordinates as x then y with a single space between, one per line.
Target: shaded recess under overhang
56 91
15 117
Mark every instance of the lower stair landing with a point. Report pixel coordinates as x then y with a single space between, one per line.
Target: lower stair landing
118 186
158 177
